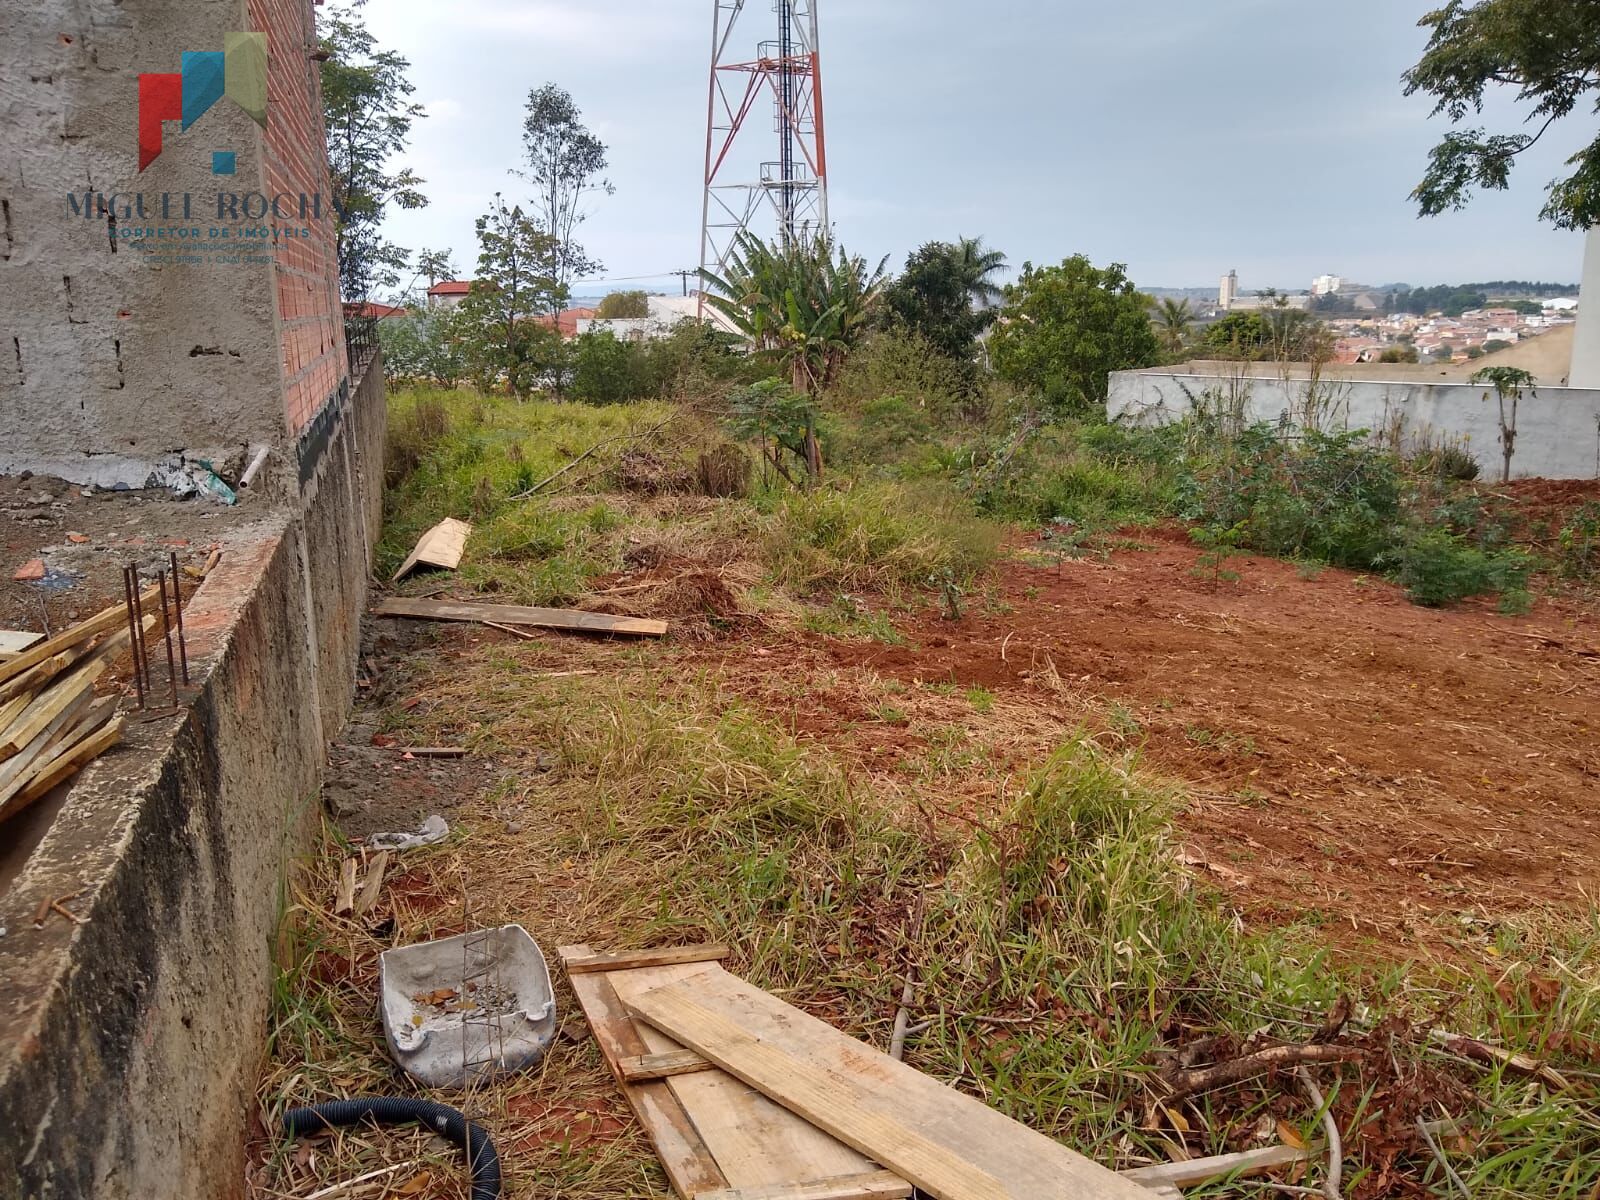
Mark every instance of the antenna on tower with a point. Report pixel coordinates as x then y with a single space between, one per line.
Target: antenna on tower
742 183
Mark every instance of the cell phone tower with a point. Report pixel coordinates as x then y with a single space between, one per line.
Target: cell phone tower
742 180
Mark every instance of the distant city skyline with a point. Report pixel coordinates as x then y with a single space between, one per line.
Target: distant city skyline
1181 140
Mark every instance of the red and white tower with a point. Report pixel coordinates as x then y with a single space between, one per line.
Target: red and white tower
784 77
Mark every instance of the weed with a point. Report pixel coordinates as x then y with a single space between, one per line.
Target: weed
1219 546
981 699
1437 567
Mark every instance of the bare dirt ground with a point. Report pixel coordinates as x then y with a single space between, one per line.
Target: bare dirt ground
1386 768
1396 775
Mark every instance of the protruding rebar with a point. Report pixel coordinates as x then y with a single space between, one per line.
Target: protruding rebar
166 632
133 626
141 648
177 605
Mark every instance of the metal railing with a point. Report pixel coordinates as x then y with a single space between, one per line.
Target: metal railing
360 343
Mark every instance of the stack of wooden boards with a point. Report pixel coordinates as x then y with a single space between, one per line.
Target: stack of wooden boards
51 723
748 1098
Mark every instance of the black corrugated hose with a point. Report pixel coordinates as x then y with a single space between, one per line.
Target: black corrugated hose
391 1110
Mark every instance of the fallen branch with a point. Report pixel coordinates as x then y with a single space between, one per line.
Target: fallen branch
1335 1176
590 453
1498 1056
1438 1154
1203 1079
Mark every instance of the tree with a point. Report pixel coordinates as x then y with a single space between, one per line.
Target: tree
1174 319
803 305
565 162
624 306
368 117
1549 51
1240 335
1399 354
435 265
427 345
606 370
946 293
1065 329
1495 345
512 290
1508 384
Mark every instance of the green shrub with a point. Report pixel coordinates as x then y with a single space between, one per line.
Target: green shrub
1578 543
1332 497
1437 567
886 429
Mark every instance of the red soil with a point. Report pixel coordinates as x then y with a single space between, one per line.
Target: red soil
1352 757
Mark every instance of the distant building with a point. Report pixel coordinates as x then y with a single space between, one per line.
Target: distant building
566 323
371 310
665 313
1327 285
448 293
1229 291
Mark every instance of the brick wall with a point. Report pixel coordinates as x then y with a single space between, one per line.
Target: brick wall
296 161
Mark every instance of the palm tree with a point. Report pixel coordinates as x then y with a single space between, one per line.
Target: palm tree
974 265
1174 318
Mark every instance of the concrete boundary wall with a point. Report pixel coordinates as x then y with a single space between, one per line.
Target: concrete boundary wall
130 1044
1558 428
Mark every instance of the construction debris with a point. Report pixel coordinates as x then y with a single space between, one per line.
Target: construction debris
51 724
465 1009
949 1145
442 547
434 830
15 641
509 614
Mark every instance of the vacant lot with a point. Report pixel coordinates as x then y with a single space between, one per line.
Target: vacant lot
1111 804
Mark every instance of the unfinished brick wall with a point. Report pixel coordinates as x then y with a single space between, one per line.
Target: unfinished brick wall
307 273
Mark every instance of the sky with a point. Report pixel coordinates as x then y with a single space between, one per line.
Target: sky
1181 139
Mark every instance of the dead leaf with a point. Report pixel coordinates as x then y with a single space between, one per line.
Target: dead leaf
1179 1122
415 1184
1290 1135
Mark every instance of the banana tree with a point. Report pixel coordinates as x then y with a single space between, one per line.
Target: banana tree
803 305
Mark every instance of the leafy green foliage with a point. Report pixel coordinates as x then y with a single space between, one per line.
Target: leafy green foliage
624 306
564 164
1549 51
944 293
804 305
1332 497
369 117
512 290
1578 543
777 418
431 346
606 370
1065 329
1175 321
1437 567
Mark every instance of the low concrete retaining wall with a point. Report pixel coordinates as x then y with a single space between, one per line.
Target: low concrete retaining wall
130 1043
1558 429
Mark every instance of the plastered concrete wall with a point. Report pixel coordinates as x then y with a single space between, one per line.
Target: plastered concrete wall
1586 338
114 362
130 1045
1558 429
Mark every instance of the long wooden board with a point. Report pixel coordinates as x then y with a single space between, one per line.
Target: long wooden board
948 1144
442 546
513 614
713 1134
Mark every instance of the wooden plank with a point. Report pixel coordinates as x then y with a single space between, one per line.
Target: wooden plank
103 622
63 767
15 641
512 614
637 1068
38 751
11 709
47 706
442 546
1220 1166
873 1185
372 885
754 1142
683 1153
948 1144
665 956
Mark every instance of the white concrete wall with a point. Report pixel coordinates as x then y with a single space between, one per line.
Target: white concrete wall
1558 428
1586 338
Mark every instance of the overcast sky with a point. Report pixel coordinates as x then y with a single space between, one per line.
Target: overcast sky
1180 138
